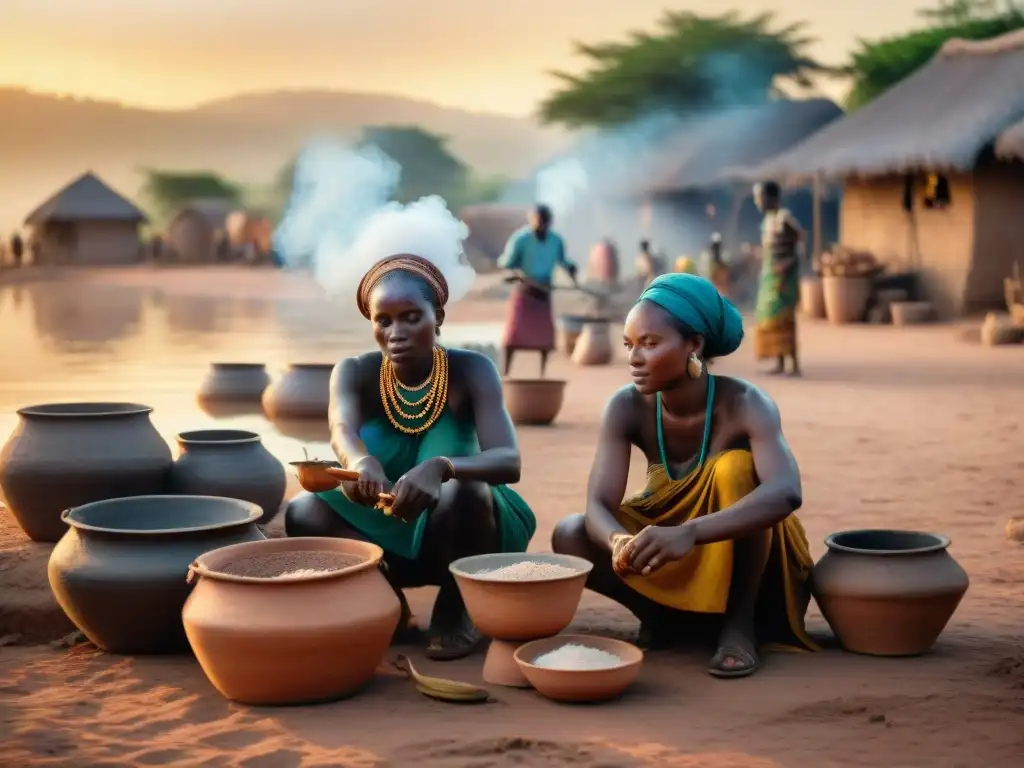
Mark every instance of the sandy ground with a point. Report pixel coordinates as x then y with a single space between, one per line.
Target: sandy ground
910 428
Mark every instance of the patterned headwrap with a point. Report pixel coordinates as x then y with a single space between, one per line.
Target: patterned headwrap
404 262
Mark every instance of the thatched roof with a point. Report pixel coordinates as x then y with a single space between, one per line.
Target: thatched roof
214 210
705 155
490 227
940 118
87 198
666 154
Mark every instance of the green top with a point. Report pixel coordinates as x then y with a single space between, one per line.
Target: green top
398 453
705 441
535 258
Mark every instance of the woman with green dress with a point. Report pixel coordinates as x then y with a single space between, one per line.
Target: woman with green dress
427 425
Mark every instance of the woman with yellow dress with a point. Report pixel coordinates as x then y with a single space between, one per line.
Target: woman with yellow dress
713 532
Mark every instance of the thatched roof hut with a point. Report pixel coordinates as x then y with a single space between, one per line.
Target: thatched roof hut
86 223
490 227
958 123
192 233
941 118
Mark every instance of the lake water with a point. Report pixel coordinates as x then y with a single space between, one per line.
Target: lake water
82 340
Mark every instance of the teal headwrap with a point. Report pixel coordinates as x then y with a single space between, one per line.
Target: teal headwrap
697 304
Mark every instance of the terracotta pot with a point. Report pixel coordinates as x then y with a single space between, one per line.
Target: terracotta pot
231 463
812 296
533 401
120 571
594 345
846 298
290 641
569 329
911 312
234 383
66 454
303 392
888 593
578 685
513 612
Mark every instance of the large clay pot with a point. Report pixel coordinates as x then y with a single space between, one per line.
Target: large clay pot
533 401
594 345
888 593
303 392
120 572
846 298
231 463
66 454
289 641
234 383
812 296
569 329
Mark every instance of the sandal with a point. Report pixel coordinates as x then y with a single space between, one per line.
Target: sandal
749 662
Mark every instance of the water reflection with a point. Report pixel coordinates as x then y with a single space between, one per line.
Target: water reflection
79 339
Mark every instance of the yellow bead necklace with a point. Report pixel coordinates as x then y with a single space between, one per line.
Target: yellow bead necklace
433 402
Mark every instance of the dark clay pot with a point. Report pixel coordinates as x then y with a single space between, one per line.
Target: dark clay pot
303 392
234 383
888 593
120 571
231 463
67 454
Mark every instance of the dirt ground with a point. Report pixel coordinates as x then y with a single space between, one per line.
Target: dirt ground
909 428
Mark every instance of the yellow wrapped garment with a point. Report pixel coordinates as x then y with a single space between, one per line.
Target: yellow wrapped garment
700 581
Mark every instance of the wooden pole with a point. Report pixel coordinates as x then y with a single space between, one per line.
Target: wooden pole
816 225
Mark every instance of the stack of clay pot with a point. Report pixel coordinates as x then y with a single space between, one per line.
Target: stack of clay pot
594 344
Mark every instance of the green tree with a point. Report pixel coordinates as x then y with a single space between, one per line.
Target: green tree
168 191
689 63
876 66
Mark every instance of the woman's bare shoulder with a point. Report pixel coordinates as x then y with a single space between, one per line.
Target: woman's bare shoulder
743 398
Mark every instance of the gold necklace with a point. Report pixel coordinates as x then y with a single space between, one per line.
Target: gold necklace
395 386
436 398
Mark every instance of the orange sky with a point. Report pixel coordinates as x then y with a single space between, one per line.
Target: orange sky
486 55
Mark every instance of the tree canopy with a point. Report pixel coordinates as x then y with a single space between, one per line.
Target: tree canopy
169 191
689 63
876 66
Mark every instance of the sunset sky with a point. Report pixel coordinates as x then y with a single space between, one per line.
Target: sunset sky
479 54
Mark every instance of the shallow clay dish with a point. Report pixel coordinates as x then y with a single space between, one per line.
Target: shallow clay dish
316 476
580 685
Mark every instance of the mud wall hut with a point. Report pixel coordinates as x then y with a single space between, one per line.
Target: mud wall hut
933 174
195 232
86 223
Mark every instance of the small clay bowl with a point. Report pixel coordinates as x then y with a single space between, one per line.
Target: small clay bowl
580 685
316 476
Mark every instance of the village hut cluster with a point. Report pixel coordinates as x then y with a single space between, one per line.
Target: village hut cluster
88 223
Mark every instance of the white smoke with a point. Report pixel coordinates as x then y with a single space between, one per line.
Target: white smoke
561 185
340 221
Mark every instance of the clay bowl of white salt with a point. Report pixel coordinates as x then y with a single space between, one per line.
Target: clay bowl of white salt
518 596
515 597
580 668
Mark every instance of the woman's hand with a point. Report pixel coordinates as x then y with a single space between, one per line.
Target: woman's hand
419 489
656 545
372 482
620 553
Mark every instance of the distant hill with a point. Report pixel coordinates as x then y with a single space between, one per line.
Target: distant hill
47 140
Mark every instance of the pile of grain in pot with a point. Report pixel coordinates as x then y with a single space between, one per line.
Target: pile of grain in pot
527 570
574 656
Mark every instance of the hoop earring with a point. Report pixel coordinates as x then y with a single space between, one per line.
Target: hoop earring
694 366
